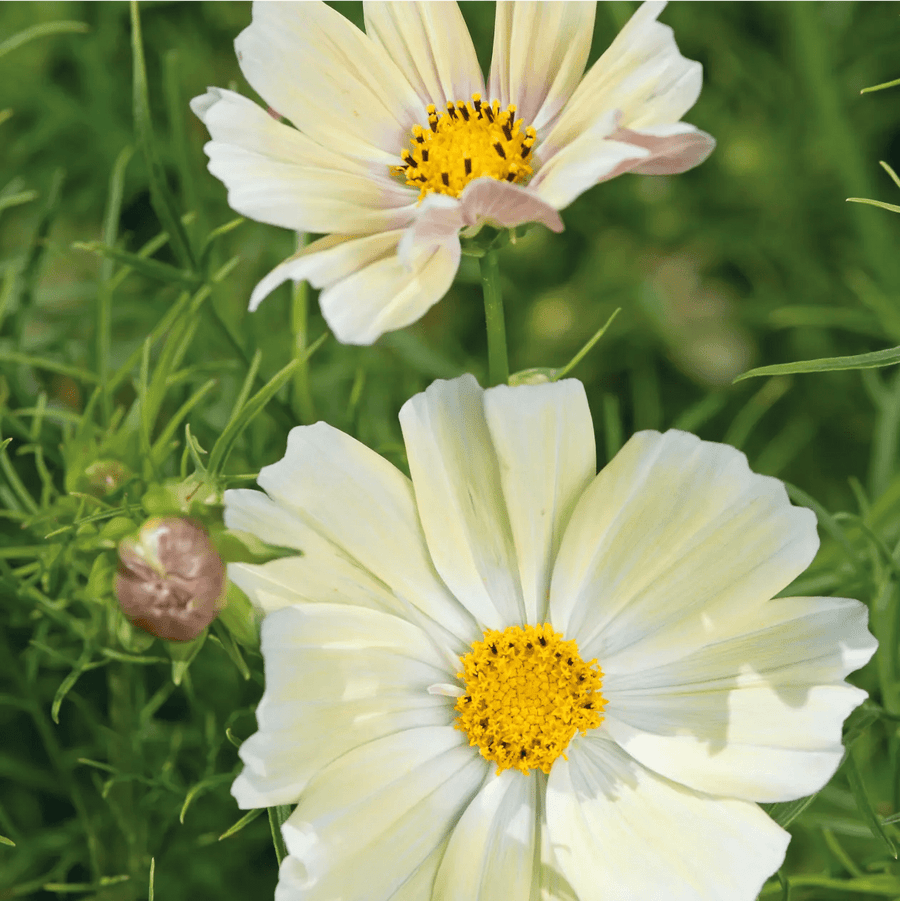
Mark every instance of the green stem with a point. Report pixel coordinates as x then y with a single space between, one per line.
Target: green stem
498 363
302 401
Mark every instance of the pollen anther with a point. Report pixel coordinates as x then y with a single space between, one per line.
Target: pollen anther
470 140
527 692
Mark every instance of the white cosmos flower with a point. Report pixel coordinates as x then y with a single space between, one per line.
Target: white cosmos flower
357 102
712 696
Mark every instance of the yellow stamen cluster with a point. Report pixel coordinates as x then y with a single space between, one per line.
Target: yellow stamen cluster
467 141
527 693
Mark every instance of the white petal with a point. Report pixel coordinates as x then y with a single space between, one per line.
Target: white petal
491 854
337 677
642 76
619 831
459 496
430 43
327 261
544 440
757 712
390 293
277 175
504 205
354 516
371 819
496 475
671 538
335 84
540 50
587 161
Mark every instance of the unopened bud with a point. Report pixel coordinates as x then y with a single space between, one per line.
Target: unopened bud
105 476
170 578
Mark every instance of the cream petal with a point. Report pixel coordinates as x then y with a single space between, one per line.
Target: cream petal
456 476
540 50
496 475
337 677
327 261
277 175
543 437
491 853
390 293
756 713
335 84
354 516
370 820
671 538
619 831
431 44
642 75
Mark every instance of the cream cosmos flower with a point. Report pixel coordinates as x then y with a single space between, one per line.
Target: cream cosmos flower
511 678
398 143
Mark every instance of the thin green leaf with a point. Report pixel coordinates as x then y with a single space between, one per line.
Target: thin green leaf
161 445
222 448
160 195
11 200
874 360
7 841
67 685
864 805
73 372
277 818
152 877
785 812
243 821
892 207
45 29
881 87
151 268
223 636
199 788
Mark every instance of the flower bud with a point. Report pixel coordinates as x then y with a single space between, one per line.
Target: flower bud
170 578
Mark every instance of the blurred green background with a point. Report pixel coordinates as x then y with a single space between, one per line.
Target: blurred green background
753 258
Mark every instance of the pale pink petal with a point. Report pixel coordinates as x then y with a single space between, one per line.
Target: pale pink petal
430 43
336 85
673 148
499 203
540 50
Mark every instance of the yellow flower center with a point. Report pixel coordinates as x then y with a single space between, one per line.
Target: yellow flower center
468 141
527 693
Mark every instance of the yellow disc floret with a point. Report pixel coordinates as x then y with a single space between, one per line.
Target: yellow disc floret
467 141
527 693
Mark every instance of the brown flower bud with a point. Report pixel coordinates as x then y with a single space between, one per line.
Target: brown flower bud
170 578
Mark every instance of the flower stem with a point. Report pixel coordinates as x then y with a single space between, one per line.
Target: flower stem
498 363
302 401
